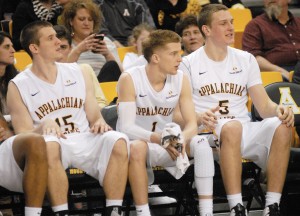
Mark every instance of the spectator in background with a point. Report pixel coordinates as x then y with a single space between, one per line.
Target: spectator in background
82 18
121 16
31 10
139 34
65 48
188 29
274 38
166 13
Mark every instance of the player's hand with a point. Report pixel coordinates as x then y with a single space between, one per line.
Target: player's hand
286 115
209 118
50 127
172 152
5 134
100 126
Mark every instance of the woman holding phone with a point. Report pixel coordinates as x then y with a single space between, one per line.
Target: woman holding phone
83 19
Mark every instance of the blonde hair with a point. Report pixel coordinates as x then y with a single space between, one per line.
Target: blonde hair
158 39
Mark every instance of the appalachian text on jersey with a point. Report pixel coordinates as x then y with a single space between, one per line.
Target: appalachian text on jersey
53 105
216 88
151 111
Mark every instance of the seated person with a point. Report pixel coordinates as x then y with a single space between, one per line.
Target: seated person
23 163
148 96
221 78
139 34
274 38
82 19
57 100
65 47
191 37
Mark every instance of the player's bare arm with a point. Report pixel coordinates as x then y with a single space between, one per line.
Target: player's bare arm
267 108
20 117
97 123
187 110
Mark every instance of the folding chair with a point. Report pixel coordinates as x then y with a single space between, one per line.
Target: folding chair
22 60
241 18
109 90
123 50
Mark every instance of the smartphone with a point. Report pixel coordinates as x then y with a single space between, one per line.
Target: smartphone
100 37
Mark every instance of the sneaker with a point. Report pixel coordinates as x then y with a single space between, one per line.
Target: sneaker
272 210
159 200
113 211
238 210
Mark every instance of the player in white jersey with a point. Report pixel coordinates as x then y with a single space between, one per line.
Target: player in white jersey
58 101
221 77
23 163
148 96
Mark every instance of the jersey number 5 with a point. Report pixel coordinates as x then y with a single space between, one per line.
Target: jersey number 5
223 104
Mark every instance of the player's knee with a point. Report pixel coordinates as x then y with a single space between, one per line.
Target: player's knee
198 142
53 154
231 133
120 149
284 134
34 144
204 160
138 151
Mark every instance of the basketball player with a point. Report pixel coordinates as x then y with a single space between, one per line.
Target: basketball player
23 163
148 96
58 101
221 77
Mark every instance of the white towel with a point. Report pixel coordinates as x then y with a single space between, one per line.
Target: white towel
182 164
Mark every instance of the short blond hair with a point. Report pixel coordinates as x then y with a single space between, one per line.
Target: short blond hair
158 39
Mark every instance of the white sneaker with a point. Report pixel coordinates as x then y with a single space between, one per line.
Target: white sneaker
159 200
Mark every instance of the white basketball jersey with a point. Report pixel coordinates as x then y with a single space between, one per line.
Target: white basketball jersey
62 101
222 83
155 109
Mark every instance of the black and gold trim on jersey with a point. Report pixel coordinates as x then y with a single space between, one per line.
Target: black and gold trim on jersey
53 105
217 88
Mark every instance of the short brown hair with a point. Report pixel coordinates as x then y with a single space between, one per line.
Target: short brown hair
158 38
73 6
30 34
184 23
205 15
